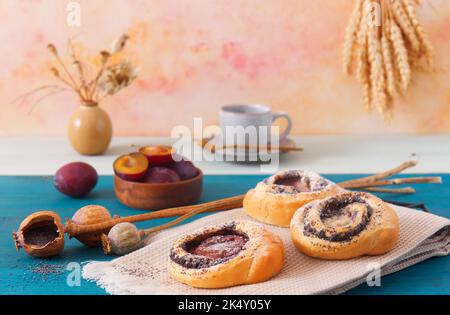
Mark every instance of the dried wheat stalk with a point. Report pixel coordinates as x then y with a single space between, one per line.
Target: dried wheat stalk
385 56
351 36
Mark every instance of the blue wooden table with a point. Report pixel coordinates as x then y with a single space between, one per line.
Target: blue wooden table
20 196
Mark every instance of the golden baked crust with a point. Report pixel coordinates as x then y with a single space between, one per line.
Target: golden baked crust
261 258
345 226
275 204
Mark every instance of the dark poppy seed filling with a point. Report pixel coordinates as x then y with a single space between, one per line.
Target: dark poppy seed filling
40 234
300 184
349 215
294 182
211 249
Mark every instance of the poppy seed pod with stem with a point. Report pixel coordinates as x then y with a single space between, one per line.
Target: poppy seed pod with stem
87 215
124 238
73 229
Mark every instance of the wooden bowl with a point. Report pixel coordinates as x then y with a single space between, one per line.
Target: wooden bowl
152 196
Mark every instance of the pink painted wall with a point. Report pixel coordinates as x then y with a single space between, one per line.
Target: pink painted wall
197 55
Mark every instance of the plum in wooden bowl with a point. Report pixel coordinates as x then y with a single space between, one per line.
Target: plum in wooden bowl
161 187
158 155
132 167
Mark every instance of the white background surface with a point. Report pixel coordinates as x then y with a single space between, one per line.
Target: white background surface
323 154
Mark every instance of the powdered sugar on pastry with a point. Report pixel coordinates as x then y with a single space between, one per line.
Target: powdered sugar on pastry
276 199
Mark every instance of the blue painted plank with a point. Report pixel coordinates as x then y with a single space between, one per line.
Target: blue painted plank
19 196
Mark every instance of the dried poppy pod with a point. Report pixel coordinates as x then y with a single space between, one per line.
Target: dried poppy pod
91 214
122 239
41 234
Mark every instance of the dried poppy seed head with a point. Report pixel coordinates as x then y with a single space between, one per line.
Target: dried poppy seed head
119 44
105 55
122 239
52 49
54 71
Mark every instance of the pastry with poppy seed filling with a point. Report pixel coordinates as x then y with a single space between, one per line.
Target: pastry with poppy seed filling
345 226
235 253
276 199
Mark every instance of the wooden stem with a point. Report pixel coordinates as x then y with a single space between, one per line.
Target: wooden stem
74 84
394 181
376 177
34 91
406 190
79 65
92 86
74 229
174 222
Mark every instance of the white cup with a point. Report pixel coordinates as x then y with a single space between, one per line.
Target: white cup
250 124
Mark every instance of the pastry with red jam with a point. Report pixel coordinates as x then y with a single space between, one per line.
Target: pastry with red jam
235 253
345 226
275 200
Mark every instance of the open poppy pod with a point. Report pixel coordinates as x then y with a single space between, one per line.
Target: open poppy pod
41 234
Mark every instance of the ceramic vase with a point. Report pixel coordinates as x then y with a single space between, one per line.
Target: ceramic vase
90 129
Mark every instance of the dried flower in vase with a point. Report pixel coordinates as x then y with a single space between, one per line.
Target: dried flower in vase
117 77
384 57
119 44
91 86
89 127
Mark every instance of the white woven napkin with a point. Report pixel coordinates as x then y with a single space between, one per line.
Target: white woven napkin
422 236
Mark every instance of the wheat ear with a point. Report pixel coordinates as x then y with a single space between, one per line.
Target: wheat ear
389 66
425 46
363 69
401 17
351 34
401 56
376 70
362 65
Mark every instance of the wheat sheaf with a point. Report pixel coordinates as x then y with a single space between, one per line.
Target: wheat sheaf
385 55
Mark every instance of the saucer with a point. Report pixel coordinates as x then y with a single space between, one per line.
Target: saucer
248 154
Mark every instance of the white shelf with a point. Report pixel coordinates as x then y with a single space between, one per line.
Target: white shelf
323 154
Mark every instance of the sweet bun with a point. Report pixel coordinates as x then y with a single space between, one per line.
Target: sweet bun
275 200
235 253
345 226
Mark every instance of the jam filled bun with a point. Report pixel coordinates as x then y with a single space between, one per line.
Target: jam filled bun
226 255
